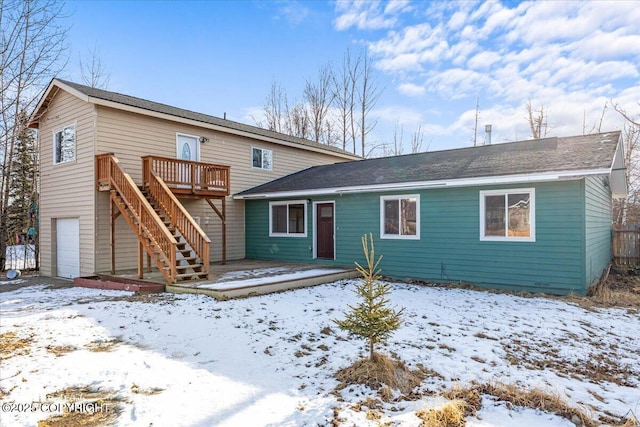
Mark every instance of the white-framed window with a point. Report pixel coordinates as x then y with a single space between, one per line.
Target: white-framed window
261 158
64 144
288 218
508 215
400 217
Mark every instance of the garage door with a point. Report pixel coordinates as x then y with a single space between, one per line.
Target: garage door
68 247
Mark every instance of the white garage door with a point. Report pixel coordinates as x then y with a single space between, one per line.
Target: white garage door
68 245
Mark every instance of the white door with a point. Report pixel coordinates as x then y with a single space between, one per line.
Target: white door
186 149
68 247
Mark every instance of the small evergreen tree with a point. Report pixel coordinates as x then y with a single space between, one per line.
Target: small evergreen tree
372 319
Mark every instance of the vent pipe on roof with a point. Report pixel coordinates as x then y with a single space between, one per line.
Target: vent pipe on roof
487 138
225 115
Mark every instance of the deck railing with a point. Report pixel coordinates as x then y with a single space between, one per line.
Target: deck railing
187 177
144 220
191 231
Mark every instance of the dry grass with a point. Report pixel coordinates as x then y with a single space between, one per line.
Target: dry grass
59 350
136 389
380 372
470 395
534 399
611 297
11 345
100 346
450 415
630 422
99 408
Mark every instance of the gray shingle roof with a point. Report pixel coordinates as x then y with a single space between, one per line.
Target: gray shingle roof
186 114
563 154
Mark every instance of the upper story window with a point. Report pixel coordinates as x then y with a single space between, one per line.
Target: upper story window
400 217
262 158
508 215
288 218
64 144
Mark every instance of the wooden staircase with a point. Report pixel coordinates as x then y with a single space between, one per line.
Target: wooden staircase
165 230
188 265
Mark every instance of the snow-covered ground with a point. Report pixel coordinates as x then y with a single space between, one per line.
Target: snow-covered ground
271 360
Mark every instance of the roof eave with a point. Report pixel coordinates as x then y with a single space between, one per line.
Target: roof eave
618 173
425 185
48 95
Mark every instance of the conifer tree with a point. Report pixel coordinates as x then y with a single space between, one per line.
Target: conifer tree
23 189
372 319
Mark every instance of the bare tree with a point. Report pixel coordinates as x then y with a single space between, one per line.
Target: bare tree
93 71
627 211
344 80
595 128
32 52
475 124
319 96
368 95
537 121
416 140
296 120
274 105
398 136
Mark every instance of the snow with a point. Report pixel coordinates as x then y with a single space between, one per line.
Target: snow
262 361
272 275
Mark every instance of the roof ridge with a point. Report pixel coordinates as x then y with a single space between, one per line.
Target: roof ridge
214 120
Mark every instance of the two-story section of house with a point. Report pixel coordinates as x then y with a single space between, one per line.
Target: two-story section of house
125 179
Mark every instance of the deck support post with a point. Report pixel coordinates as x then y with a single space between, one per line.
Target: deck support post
223 217
112 232
140 260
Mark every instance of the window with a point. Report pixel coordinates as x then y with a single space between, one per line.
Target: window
288 218
508 215
400 217
64 145
262 159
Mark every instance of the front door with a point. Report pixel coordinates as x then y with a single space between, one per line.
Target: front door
324 231
186 149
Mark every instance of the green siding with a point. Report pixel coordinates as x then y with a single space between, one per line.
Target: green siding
450 250
597 228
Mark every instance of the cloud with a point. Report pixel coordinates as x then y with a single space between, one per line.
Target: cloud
366 15
483 60
411 89
294 12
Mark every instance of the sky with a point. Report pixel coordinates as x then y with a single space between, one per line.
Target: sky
434 61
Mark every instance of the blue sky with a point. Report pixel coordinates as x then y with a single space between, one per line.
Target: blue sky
433 59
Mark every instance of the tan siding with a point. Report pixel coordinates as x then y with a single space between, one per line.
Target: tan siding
67 190
130 136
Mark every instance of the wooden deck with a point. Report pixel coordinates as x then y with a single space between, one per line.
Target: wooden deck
244 278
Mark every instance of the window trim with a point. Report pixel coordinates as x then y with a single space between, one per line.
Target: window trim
75 144
383 199
287 203
506 193
262 150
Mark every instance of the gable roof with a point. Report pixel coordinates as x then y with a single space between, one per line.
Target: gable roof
143 106
523 161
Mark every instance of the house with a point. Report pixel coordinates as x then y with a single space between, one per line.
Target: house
530 215
124 180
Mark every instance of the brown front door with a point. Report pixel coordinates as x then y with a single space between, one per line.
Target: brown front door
324 230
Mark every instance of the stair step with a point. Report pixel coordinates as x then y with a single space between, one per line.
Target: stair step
194 267
191 276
